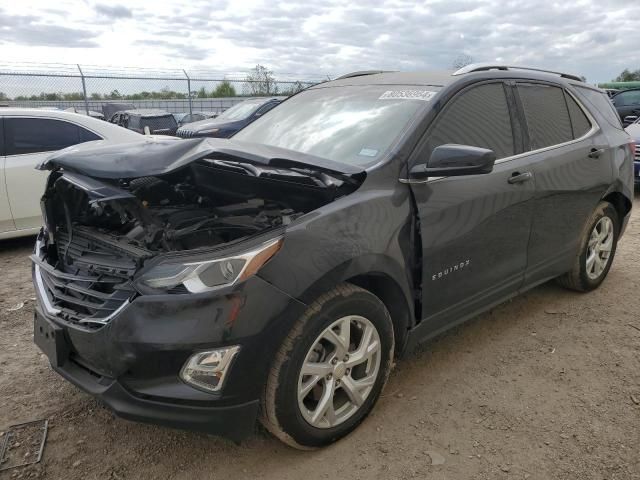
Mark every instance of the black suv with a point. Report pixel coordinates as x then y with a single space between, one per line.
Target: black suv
275 275
158 122
230 121
627 103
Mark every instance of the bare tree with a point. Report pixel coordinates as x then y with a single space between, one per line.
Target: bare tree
461 60
260 81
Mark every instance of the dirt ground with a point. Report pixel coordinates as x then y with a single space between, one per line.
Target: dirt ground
546 386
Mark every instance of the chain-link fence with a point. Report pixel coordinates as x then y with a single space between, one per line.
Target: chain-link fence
90 88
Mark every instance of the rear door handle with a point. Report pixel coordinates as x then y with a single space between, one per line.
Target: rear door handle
518 177
596 152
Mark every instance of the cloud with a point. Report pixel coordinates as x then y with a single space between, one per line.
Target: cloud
113 11
333 37
28 30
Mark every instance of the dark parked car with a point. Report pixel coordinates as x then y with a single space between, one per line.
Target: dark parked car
230 121
627 103
634 131
158 122
205 283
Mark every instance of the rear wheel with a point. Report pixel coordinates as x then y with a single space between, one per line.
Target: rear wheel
597 249
330 370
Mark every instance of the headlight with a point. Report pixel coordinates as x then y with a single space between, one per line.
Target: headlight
209 275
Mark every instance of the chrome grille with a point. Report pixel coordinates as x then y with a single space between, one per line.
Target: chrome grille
89 285
184 133
637 155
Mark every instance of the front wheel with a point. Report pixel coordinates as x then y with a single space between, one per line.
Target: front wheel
330 369
597 249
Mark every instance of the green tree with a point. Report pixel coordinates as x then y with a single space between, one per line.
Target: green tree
114 95
224 89
260 81
3 96
628 76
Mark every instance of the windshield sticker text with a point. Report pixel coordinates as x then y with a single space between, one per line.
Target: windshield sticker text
425 95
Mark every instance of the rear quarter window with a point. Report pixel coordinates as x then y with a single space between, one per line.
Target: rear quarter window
599 105
579 121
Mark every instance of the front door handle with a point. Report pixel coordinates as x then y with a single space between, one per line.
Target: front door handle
518 177
596 152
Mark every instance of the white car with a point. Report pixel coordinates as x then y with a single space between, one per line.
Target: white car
28 136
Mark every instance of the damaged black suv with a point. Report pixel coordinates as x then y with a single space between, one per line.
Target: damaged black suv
206 283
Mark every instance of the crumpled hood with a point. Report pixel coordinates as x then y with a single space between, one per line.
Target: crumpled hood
151 157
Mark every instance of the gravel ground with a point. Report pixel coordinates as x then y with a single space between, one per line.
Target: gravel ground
546 386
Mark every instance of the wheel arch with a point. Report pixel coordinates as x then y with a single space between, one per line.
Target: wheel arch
620 202
389 293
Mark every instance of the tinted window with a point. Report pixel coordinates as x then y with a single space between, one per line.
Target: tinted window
546 113
1 136
632 97
87 136
158 123
133 122
31 135
579 120
600 102
478 117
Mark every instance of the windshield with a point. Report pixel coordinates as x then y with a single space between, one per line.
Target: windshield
241 110
352 124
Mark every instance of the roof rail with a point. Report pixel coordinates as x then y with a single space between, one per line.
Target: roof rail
360 74
481 67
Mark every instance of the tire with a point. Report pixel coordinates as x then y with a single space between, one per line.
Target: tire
583 277
346 308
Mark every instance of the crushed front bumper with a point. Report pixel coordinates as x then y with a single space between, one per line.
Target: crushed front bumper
132 363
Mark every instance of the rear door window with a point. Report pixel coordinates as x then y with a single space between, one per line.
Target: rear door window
32 135
478 117
546 114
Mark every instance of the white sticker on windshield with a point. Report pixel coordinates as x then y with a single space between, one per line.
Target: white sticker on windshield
368 152
425 95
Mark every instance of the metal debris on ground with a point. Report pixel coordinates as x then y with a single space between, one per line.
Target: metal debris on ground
16 307
23 444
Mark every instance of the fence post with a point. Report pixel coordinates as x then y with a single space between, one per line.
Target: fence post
188 91
84 90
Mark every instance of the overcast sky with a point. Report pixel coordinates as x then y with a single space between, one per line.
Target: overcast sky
594 38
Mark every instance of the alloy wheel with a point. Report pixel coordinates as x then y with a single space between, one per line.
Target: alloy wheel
339 371
599 248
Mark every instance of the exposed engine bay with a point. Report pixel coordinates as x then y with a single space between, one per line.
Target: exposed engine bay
208 203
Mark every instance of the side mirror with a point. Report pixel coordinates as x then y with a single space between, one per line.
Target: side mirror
455 160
